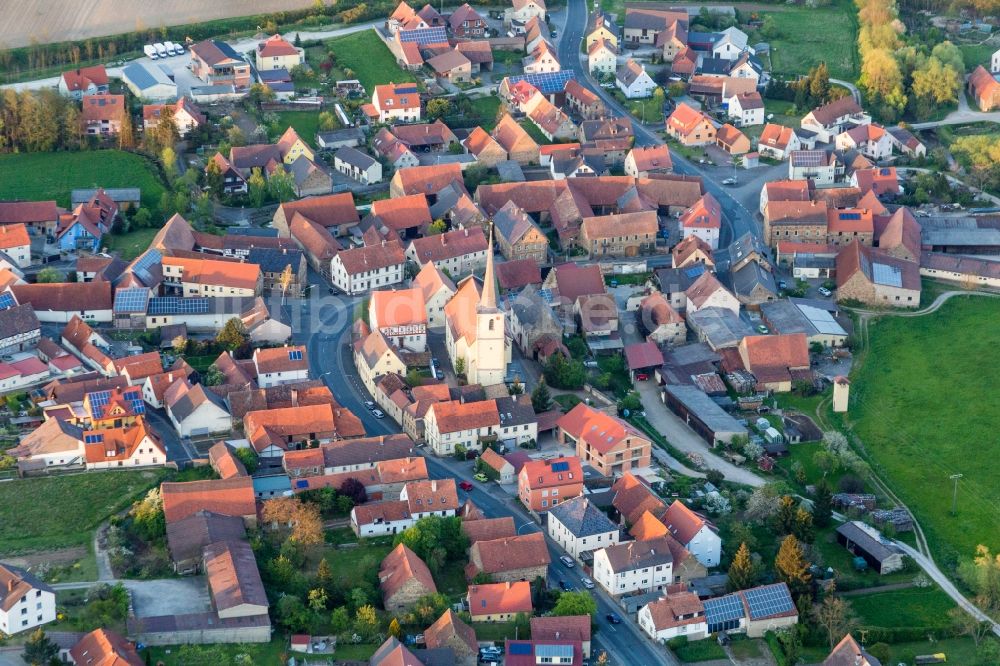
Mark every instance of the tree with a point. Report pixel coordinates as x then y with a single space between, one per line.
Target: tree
285 281
258 187
327 121
540 398
318 599
366 622
233 335
762 504
293 614
575 603
355 490
235 137
48 275
248 457
803 526
169 159
40 650
785 518
303 518
460 366
340 620
141 218
435 539
564 374
147 516
213 178
823 505
968 625
937 82
834 615
438 107
791 566
983 576
742 572
204 210
281 185
213 376
715 477
437 227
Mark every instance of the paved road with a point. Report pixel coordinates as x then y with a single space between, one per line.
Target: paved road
330 357
850 86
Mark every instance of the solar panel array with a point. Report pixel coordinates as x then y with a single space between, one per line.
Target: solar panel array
887 275
176 305
521 649
294 354
93 439
768 601
424 35
132 396
554 651
131 299
723 613
142 265
546 82
808 158
850 216
6 300
562 466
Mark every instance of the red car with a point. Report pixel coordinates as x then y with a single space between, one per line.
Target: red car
641 377
466 486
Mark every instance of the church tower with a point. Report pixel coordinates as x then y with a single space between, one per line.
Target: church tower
488 355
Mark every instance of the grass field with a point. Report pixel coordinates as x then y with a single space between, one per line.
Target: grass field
41 176
306 123
130 245
831 37
927 408
535 133
912 607
370 60
60 511
695 651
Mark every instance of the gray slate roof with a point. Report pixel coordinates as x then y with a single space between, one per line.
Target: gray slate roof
582 518
18 320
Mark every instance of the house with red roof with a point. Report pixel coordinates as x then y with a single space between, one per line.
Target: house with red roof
102 115
606 443
362 269
777 141
678 613
499 602
396 102
543 484
690 127
459 251
704 220
227 497
876 277
777 361
466 22
185 114
216 63
403 579
693 532
455 423
984 88
83 81
276 52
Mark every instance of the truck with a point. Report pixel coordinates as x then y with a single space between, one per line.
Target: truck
150 51
174 48
169 47
161 50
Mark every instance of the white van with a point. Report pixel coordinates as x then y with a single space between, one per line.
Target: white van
169 48
150 52
161 50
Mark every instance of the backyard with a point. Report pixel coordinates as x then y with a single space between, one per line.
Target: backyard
29 523
41 176
306 124
370 60
927 408
911 607
807 36
130 245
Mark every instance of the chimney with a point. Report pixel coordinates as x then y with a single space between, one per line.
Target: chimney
10 584
295 397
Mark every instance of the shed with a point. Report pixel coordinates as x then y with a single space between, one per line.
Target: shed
643 358
702 414
865 541
772 435
149 82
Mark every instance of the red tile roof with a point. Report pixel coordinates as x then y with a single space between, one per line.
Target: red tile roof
495 598
537 474
103 647
329 210
641 355
64 296
82 78
451 244
103 107
400 567
229 497
276 45
372 257
682 522
456 416
280 359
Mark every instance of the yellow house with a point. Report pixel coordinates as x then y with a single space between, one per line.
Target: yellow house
292 147
277 53
602 28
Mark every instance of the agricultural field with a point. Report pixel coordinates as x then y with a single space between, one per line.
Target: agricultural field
41 176
911 607
809 36
927 408
29 523
370 60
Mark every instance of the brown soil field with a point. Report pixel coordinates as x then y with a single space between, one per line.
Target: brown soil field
44 21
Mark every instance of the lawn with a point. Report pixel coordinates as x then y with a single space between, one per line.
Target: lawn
370 60
927 408
29 523
703 650
535 133
485 108
130 245
976 54
496 631
260 653
41 176
353 563
831 37
306 123
646 111
911 607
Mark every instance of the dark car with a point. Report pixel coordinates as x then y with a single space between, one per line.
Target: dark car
465 485
562 585
614 618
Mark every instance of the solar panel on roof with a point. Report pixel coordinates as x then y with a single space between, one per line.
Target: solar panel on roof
562 466
546 82
6 300
145 262
554 651
850 216
521 649
132 299
887 275
406 89
294 354
176 305
93 439
723 613
424 35
768 601
884 172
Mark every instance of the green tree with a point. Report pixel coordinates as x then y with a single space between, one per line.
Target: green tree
281 185
743 572
169 159
233 335
141 218
292 613
249 459
823 505
564 374
575 603
48 275
40 650
540 398
340 620
937 82
803 527
147 517
213 178
437 227
366 622
785 518
791 566
819 84
460 366
257 187
438 107
318 599
327 121
213 376
204 210
436 540
235 137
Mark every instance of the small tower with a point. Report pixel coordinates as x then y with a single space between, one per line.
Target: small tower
488 364
841 393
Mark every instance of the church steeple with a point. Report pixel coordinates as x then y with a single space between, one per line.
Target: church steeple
488 299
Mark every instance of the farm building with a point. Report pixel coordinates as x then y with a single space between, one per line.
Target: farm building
866 542
702 414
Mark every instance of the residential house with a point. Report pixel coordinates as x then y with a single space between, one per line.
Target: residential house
692 251
685 63
516 141
690 127
452 66
449 632
226 497
984 88
362 269
694 533
466 22
704 220
662 324
233 181
552 121
25 601
904 141
632 79
641 162
871 140
819 166
357 165
102 115
83 81
624 235
195 412
426 180
563 628
543 484
192 277
132 446
672 41
533 325
518 236
60 302
276 52
602 28
184 114
274 431
41 217
677 614
777 141
608 444
103 647
732 43
848 652
437 290
832 118
875 277
484 148
777 361
217 63
393 150
450 424
499 602
15 243
509 559
708 292
583 101
521 11
602 57
281 365
747 109
765 608
20 329
643 26
580 528
460 251
882 181
795 221
634 566
396 102
403 579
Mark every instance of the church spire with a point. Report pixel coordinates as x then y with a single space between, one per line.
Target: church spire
488 300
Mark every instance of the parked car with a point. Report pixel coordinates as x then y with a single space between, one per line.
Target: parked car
378 413
825 292
729 181
466 486
763 330
641 377
562 585
587 583
568 561
481 478
369 404
782 284
614 618
590 363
